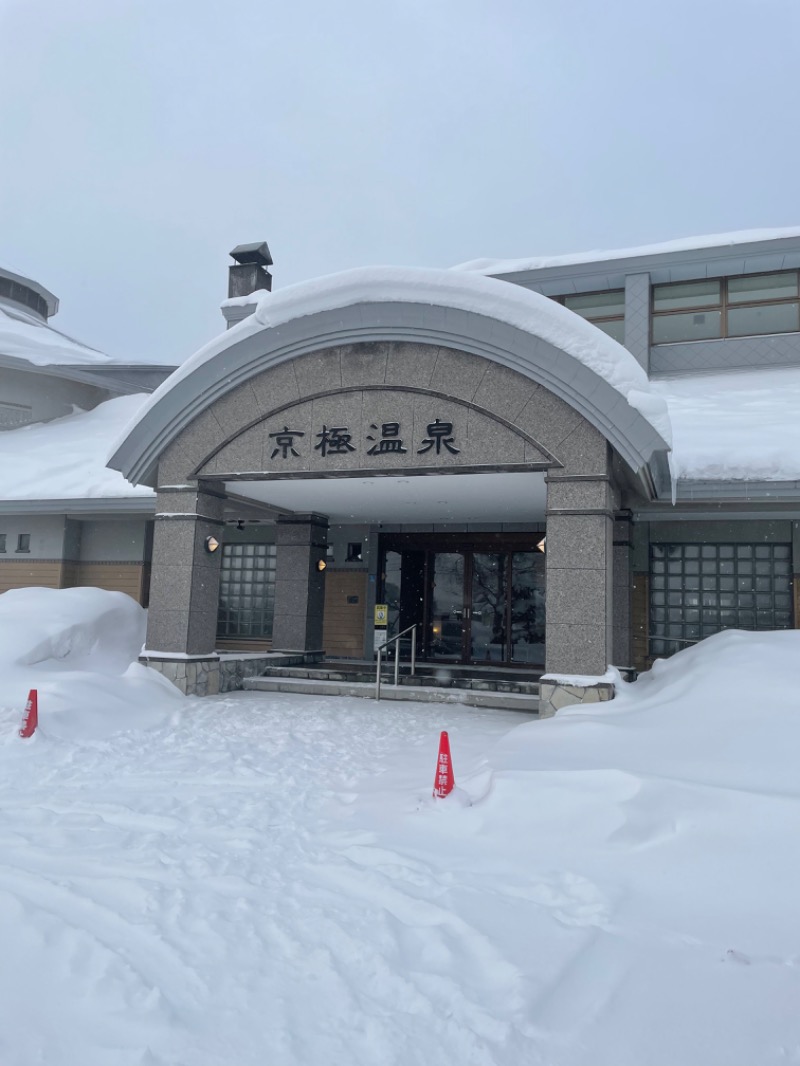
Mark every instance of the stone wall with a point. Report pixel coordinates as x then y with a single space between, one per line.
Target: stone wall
212 675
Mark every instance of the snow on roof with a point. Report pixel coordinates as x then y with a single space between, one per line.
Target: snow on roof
64 459
683 244
24 336
528 311
736 425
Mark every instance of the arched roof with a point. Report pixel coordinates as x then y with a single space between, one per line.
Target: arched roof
519 329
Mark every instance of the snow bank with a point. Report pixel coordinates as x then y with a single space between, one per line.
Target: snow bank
65 459
682 244
511 304
78 648
737 425
26 337
268 880
723 712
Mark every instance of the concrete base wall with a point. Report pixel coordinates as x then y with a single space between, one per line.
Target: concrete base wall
553 695
209 675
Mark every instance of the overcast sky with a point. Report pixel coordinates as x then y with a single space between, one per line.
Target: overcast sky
140 140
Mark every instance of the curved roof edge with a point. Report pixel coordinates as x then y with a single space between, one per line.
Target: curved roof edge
521 330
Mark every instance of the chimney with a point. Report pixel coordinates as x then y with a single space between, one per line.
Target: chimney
247 275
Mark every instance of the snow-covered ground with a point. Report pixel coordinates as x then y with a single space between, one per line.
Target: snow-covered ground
252 880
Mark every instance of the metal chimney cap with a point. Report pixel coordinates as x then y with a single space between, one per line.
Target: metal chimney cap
252 253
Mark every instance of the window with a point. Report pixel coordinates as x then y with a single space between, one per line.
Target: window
14 414
24 542
247 591
2 542
700 589
354 552
606 310
21 294
726 307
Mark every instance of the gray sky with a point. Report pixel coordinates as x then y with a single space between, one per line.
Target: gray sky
142 139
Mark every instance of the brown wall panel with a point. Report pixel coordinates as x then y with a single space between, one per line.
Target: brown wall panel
343 621
242 644
116 577
41 573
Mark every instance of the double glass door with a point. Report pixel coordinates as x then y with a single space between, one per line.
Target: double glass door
471 606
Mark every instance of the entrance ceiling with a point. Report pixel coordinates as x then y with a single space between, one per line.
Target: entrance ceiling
436 498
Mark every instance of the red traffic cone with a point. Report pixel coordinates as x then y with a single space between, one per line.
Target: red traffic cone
444 782
31 718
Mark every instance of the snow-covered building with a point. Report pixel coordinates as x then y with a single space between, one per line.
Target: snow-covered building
545 466
612 438
66 519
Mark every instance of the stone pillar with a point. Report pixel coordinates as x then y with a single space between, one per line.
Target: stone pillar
580 520
621 650
184 592
637 317
184 595
301 542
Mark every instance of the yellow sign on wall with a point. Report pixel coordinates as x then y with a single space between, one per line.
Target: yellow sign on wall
381 614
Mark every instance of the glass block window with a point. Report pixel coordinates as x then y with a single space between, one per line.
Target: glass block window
700 589
246 591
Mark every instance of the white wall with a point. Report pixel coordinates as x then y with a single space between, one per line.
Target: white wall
46 532
49 397
112 540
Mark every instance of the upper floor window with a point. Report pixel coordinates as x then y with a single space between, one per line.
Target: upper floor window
14 414
606 310
726 307
21 294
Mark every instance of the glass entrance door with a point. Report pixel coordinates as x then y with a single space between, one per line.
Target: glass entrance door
446 615
489 607
472 605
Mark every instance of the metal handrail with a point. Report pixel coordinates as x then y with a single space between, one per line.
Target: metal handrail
393 640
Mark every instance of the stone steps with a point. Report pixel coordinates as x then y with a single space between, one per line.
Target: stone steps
315 686
431 679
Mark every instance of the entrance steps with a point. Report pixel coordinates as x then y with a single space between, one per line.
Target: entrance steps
475 688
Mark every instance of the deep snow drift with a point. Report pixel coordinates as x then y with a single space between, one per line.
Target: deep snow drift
65 459
78 648
253 880
740 424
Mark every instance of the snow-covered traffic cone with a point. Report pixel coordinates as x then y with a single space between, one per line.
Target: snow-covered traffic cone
445 782
31 718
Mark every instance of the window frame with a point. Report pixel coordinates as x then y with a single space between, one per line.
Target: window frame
723 306
597 319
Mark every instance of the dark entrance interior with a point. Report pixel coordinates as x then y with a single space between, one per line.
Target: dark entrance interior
476 598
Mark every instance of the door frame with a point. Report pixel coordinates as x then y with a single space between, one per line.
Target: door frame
466 544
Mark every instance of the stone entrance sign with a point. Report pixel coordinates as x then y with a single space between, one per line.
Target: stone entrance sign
375 430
